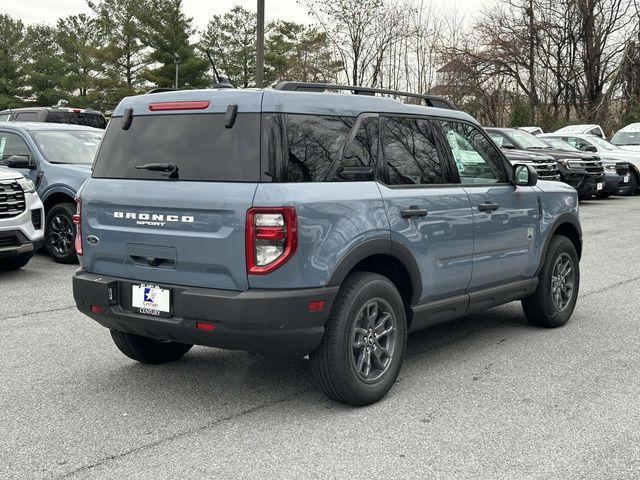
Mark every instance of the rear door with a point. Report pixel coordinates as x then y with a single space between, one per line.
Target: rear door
506 217
430 218
183 227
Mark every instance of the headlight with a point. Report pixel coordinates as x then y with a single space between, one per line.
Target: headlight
610 167
27 185
564 161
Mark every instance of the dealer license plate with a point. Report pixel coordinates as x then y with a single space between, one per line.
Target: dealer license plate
626 179
599 186
151 300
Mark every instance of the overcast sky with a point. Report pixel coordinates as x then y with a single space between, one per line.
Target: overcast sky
48 11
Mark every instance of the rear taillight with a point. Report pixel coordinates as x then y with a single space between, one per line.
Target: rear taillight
271 238
77 220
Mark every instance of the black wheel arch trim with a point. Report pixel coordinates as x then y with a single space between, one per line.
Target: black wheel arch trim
565 218
379 246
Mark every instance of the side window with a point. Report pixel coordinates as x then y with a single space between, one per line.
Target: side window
12 144
5 117
27 117
363 150
410 152
314 143
577 143
477 159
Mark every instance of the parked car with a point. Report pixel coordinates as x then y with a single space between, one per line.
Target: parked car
590 129
606 151
532 130
545 166
57 158
60 113
582 171
271 221
617 174
21 214
628 138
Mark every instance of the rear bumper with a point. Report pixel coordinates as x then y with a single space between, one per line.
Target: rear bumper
270 322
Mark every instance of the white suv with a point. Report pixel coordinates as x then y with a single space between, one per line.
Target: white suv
21 220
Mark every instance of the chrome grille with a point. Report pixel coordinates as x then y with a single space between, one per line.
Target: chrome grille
12 201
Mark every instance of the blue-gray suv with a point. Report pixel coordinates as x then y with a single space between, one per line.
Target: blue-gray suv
57 158
296 222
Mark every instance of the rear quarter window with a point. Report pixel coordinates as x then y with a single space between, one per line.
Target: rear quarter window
198 144
314 143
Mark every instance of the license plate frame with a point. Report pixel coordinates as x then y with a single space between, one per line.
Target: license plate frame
151 300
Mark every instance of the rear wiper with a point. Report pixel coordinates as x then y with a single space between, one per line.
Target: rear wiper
170 168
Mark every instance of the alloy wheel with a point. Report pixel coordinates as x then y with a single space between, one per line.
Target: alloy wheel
562 281
373 340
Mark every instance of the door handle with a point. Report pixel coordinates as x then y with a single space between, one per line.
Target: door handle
413 211
488 207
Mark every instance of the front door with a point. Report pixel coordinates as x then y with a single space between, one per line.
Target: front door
13 144
431 219
506 217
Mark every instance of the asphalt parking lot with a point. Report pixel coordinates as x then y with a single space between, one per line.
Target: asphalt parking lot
486 396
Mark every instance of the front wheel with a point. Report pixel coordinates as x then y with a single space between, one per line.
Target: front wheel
364 343
553 302
60 233
148 350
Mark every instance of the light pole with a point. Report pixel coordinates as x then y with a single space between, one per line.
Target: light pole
260 46
176 60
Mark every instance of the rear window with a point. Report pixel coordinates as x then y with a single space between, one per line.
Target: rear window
198 144
95 120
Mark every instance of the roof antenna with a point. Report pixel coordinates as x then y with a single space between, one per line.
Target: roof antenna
220 81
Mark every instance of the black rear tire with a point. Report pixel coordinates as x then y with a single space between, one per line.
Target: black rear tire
541 308
363 374
60 233
15 263
148 350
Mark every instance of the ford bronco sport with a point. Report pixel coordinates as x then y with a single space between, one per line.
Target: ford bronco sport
295 222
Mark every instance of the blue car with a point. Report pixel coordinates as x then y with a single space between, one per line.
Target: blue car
295 222
58 159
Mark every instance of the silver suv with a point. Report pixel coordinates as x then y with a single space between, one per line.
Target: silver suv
21 217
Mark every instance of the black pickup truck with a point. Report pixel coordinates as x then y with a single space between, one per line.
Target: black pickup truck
582 170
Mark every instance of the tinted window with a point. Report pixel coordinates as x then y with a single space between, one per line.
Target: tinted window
26 117
362 151
478 161
410 152
315 142
12 144
95 120
198 144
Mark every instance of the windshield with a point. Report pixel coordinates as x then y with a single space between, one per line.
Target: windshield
602 143
526 140
626 138
67 146
560 145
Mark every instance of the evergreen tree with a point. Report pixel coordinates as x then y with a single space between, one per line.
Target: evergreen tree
231 40
167 31
12 57
45 69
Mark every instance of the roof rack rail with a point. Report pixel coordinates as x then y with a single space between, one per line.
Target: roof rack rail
429 100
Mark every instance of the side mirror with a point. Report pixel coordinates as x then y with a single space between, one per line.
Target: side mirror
524 175
590 148
19 161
